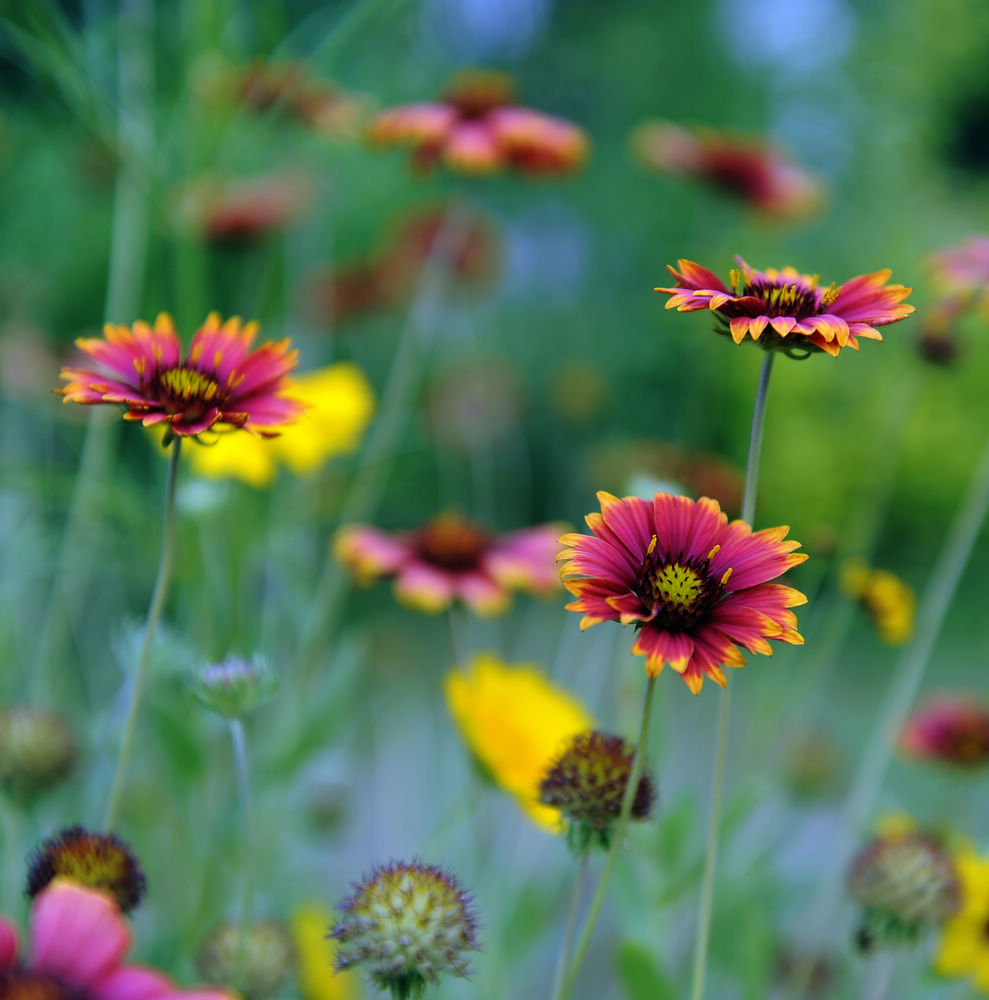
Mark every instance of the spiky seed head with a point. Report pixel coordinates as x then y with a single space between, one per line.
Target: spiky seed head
36 750
234 687
905 881
97 860
258 961
587 783
406 922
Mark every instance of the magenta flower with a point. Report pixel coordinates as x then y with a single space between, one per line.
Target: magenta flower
476 128
963 270
452 559
951 730
78 944
221 383
787 311
694 585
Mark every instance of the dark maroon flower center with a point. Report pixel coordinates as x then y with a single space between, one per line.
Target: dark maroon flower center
452 543
760 295
17 984
187 391
476 93
679 593
967 744
740 171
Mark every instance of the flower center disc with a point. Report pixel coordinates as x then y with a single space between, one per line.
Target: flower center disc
181 386
452 543
680 595
678 585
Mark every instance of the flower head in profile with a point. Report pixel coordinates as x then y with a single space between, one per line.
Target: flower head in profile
339 404
259 957
889 601
315 954
963 950
587 780
406 923
235 686
949 730
749 169
451 558
783 310
221 382
97 860
514 721
78 945
695 586
906 881
476 128
37 750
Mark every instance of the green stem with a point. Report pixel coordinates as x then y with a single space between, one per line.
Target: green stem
238 740
618 839
154 613
714 820
566 951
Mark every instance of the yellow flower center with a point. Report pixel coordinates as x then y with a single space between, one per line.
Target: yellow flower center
186 384
678 585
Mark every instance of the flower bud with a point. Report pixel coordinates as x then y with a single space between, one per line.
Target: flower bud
36 750
406 922
587 783
234 687
258 961
96 860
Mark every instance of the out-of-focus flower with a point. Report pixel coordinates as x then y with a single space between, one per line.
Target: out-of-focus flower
788 311
260 958
938 341
234 687
750 169
476 128
471 405
963 270
315 954
96 860
449 559
78 944
695 587
513 720
963 950
406 923
339 404
906 881
698 473
950 730
221 383
587 783
37 749
227 211
889 601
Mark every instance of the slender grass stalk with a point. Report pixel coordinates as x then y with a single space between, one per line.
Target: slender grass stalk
565 987
566 950
371 478
154 613
717 786
238 742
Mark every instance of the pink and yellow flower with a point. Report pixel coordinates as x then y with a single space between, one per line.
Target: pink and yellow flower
694 585
949 730
963 270
476 128
78 944
221 382
788 311
747 168
450 559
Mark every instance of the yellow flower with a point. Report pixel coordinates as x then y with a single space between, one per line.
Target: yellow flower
889 601
317 979
340 404
964 946
514 722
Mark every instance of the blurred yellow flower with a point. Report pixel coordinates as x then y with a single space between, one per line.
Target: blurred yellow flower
964 946
889 601
515 722
317 978
340 405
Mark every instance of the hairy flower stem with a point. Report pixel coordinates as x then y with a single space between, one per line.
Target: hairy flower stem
565 987
238 742
154 613
566 950
717 784
371 478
